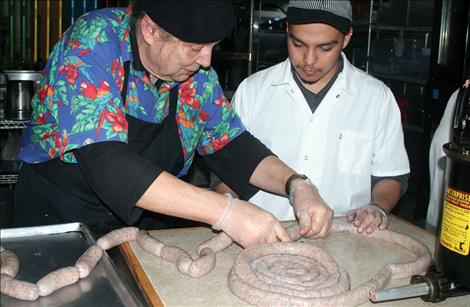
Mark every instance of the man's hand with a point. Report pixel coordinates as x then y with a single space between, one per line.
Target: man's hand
314 215
248 224
369 217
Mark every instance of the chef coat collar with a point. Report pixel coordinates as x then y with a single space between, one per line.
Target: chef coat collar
287 77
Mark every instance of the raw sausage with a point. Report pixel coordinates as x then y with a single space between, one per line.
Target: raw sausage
216 244
177 256
57 279
271 274
149 244
265 274
21 290
9 263
203 265
88 260
117 237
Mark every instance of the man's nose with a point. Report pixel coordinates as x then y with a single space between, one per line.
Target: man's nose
310 57
205 56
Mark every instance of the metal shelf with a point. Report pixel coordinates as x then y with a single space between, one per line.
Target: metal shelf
378 27
6 124
8 178
397 77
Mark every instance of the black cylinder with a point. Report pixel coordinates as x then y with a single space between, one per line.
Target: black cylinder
452 256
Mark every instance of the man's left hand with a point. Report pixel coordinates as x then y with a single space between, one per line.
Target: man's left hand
368 218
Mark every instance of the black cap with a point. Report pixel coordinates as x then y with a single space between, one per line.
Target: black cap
192 21
336 13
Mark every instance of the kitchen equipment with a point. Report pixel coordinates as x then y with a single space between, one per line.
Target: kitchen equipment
21 85
450 275
3 93
9 161
43 249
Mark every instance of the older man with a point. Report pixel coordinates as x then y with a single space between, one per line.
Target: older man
127 98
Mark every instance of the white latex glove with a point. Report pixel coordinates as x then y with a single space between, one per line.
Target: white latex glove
248 224
369 217
314 215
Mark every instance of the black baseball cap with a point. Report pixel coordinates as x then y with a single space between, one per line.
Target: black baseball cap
193 21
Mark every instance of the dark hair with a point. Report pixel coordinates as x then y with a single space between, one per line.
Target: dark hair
137 14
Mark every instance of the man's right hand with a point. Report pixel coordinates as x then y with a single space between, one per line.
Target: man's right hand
248 224
314 215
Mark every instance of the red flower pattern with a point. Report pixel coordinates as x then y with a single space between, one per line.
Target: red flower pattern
219 143
118 119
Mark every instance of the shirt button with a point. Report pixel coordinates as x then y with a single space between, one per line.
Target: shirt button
337 96
311 119
306 158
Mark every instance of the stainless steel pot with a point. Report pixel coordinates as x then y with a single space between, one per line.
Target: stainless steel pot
21 85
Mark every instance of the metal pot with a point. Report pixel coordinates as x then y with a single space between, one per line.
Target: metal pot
21 85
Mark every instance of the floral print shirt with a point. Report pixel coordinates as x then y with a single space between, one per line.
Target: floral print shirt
79 97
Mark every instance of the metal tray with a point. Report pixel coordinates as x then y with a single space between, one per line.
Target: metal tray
44 249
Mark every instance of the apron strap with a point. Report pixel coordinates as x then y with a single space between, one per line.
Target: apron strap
124 83
173 101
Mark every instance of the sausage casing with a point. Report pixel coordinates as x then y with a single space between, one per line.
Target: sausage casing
9 263
88 260
117 237
18 289
149 244
57 279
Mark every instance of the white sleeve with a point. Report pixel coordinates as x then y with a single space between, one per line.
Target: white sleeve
390 157
241 102
437 161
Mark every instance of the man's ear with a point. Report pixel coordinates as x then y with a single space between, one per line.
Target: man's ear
347 37
147 29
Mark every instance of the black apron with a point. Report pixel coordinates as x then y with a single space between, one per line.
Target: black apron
159 143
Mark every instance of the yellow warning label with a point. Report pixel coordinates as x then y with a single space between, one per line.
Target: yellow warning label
455 228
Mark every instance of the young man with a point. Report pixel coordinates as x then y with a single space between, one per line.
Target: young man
327 119
126 99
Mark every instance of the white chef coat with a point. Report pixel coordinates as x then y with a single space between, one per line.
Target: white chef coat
437 161
354 133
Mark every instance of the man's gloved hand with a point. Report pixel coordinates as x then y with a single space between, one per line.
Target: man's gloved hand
248 224
314 215
369 217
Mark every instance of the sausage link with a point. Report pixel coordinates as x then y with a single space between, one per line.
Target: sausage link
177 256
216 244
18 289
202 265
57 279
149 244
88 260
9 263
117 237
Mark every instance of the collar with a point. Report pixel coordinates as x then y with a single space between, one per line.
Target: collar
342 81
326 88
136 62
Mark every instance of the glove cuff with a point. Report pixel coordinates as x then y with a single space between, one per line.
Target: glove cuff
382 210
230 200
